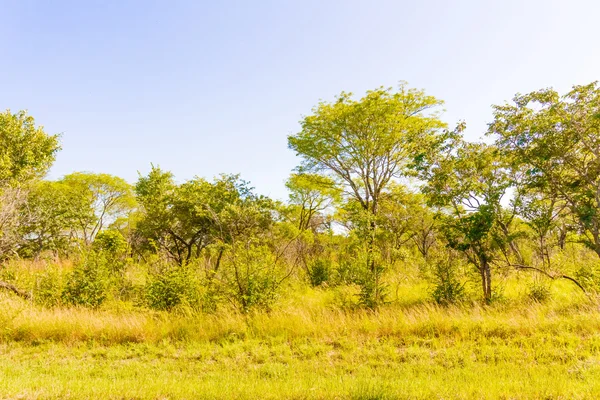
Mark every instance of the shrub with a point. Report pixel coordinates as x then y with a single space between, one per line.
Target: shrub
87 285
589 276
49 287
539 291
348 271
252 276
113 247
171 286
319 271
373 291
447 287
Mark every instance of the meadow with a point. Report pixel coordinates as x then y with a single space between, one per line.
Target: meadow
408 262
309 346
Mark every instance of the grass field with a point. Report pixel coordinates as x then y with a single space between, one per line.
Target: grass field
306 350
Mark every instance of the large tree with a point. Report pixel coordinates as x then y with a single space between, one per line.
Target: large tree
555 141
365 144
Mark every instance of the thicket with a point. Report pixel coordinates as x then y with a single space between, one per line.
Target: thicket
385 191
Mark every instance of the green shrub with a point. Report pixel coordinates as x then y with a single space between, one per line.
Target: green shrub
319 271
373 291
87 285
447 288
111 241
171 286
252 276
539 291
113 246
49 287
589 276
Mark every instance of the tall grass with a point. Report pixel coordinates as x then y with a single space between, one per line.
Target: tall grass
313 344
312 316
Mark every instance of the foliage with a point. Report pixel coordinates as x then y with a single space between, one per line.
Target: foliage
111 242
555 141
447 289
101 199
540 291
88 283
364 144
27 151
181 220
171 286
27 154
319 271
51 213
356 223
311 194
468 181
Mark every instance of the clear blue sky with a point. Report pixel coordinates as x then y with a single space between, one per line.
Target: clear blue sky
204 87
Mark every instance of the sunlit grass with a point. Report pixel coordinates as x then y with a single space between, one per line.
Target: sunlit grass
313 344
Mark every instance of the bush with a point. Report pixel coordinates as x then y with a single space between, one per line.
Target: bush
589 276
113 246
348 271
353 269
447 287
373 291
171 286
111 241
252 277
539 291
49 288
319 272
87 285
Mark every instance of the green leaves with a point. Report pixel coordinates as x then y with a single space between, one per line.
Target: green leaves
555 140
181 220
366 143
26 151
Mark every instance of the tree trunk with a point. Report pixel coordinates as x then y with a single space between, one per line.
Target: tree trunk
488 281
486 278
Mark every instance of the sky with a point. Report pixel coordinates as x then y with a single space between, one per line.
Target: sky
208 87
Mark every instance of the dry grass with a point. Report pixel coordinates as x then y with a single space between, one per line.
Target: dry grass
308 347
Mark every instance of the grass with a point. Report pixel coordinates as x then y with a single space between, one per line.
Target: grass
307 348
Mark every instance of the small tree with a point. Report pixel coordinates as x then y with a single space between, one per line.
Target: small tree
97 201
27 153
468 181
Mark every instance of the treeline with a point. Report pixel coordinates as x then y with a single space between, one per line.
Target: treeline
385 188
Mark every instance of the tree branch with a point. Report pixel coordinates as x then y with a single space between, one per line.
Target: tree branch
541 271
15 290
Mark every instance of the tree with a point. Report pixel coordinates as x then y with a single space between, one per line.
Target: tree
365 144
27 153
468 181
312 194
181 220
255 263
49 218
545 216
98 200
311 198
555 141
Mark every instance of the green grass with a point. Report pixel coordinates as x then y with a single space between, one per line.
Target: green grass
307 348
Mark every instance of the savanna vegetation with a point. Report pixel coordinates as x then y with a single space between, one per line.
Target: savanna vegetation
408 262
